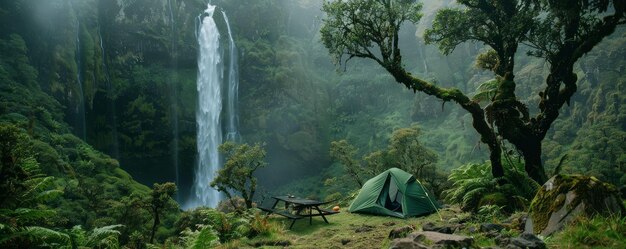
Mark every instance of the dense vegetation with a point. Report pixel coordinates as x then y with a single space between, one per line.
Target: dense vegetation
98 98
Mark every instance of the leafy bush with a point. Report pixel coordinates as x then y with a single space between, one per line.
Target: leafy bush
237 174
473 186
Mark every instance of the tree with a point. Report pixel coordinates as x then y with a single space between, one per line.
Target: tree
369 29
242 160
344 152
406 152
160 200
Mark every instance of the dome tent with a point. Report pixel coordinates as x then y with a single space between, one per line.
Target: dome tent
393 193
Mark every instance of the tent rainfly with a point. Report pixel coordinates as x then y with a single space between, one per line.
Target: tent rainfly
394 193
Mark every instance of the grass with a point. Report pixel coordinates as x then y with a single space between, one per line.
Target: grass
342 227
596 232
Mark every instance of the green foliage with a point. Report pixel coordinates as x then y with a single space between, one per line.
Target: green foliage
596 232
473 186
237 174
206 238
348 28
486 91
209 226
407 153
160 201
404 151
343 152
25 191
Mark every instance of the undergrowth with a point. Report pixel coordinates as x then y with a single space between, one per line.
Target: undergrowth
596 232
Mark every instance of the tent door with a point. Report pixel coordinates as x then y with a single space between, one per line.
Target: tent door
393 201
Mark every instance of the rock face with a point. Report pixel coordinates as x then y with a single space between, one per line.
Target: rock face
437 240
440 229
488 227
528 240
564 197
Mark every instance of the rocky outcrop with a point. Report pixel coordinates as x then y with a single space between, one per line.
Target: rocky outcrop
437 240
527 240
489 227
440 229
564 197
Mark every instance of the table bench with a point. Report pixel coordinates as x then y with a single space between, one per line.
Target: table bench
299 205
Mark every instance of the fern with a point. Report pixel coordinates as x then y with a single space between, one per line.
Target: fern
104 237
486 91
23 216
473 182
207 238
46 236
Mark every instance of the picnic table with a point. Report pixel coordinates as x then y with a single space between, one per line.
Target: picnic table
303 208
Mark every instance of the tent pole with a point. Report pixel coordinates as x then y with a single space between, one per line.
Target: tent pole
431 201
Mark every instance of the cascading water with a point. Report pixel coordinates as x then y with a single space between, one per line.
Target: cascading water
232 117
80 123
209 132
115 152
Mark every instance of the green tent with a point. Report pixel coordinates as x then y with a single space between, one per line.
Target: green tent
394 193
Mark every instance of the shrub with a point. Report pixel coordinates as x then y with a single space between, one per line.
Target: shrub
473 186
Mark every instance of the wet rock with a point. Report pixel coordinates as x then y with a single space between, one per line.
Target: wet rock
565 197
440 229
406 243
401 232
490 227
502 240
443 240
528 240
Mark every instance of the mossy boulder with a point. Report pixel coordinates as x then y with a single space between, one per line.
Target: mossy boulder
564 197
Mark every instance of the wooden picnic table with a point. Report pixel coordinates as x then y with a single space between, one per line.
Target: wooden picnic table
301 206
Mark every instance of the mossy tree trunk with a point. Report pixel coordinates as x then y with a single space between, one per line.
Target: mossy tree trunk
487 134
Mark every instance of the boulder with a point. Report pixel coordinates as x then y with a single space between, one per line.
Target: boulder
490 227
434 228
502 240
529 241
406 243
564 197
443 240
401 232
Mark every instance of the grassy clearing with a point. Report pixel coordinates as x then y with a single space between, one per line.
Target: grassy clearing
597 232
342 226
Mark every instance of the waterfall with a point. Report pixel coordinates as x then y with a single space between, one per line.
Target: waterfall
232 117
115 151
209 132
80 123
